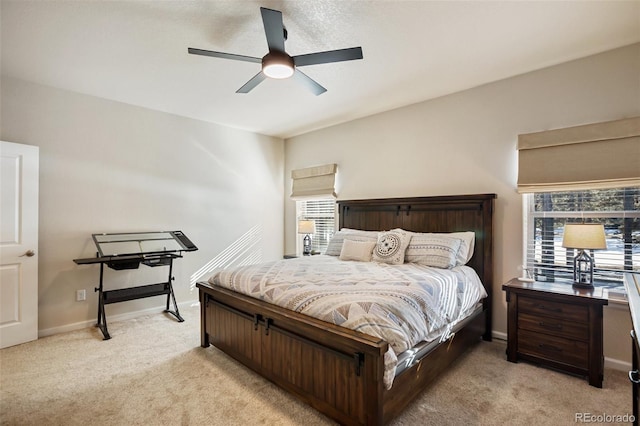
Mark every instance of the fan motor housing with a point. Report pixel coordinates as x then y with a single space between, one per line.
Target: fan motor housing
276 64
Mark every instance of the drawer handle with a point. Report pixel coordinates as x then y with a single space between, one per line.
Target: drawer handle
634 376
546 308
552 326
550 347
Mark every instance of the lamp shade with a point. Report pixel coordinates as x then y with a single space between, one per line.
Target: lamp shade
306 227
584 236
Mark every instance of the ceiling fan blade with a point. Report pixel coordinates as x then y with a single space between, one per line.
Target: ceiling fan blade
249 85
273 28
311 84
224 55
328 56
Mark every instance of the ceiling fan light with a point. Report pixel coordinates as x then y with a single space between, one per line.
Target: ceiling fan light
277 65
278 71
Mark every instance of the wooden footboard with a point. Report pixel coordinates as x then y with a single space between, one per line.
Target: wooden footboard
333 369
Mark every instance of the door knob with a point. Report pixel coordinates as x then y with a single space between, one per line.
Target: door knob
28 253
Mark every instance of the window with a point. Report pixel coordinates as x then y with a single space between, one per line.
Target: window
323 212
617 209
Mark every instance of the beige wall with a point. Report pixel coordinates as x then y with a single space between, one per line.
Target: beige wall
111 167
466 143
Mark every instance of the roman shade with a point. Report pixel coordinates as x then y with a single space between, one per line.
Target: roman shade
314 182
592 156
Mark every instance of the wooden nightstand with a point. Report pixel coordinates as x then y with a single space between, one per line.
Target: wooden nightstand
295 256
556 325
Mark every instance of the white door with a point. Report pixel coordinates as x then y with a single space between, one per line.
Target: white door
18 243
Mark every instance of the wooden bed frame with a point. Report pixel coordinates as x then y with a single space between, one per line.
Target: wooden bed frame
336 370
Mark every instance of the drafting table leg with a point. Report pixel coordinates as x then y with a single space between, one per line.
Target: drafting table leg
102 316
171 296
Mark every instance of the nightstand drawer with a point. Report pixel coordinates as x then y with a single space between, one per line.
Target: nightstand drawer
554 326
565 311
554 348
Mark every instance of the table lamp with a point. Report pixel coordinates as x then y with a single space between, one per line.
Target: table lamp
306 227
583 236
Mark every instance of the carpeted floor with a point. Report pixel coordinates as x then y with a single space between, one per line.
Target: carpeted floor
153 372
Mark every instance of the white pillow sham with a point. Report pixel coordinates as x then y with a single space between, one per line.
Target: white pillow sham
466 248
360 251
465 251
334 248
433 250
464 254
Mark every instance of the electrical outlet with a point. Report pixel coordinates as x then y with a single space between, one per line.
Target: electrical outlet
81 295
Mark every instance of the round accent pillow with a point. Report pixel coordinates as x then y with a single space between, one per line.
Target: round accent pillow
391 247
388 245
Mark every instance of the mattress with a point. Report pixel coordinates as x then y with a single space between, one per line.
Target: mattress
401 304
410 357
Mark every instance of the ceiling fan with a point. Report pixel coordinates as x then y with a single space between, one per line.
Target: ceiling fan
277 63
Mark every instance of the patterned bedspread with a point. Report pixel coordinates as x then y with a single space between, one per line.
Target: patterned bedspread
402 304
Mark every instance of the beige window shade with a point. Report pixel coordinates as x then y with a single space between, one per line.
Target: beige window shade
314 182
593 156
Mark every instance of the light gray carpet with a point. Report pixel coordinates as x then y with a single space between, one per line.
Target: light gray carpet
153 372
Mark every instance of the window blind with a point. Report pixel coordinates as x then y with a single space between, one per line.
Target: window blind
599 155
323 213
617 209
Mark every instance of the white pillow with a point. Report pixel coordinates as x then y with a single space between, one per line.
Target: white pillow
465 252
357 250
334 248
433 250
391 246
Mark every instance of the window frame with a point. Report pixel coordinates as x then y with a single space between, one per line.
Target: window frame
318 245
606 276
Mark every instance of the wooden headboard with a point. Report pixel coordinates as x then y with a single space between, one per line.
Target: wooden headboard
452 213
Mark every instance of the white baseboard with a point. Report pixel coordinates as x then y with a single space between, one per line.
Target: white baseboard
616 364
111 318
499 335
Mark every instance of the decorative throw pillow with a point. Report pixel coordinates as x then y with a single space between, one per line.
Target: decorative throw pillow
357 250
433 250
467 245
334 248
391 247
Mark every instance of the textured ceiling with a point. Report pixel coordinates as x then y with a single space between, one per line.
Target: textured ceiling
136 52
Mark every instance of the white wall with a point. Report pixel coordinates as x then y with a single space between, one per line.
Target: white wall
465 143
111 167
